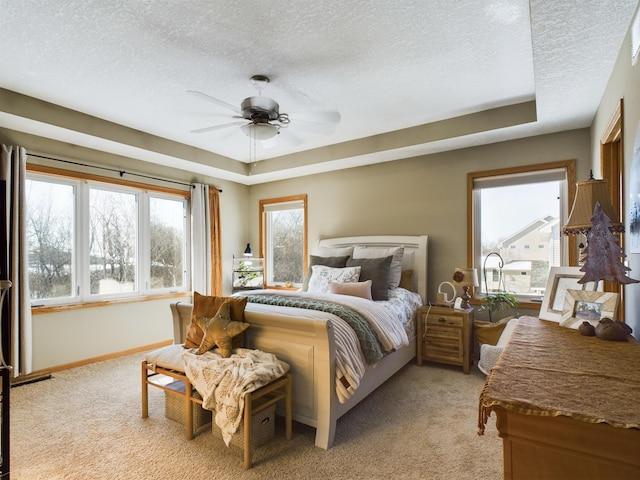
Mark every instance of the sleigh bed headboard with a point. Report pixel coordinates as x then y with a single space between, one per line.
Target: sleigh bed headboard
415 253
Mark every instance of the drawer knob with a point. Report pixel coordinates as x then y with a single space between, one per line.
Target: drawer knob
442 320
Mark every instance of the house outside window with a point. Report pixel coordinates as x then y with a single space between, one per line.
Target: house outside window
90 240
512 209
283 233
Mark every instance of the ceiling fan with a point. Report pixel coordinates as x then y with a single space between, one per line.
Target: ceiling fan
263 115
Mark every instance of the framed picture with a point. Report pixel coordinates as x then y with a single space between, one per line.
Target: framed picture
581 305
559 281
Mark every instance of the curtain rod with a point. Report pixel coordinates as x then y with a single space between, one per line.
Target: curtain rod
122 173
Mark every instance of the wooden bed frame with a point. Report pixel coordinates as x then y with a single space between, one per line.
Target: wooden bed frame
308 346
310 350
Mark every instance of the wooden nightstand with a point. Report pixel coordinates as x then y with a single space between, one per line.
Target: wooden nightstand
444 335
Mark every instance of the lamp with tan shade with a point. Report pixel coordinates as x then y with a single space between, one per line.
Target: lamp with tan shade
588 193
466 278
593 216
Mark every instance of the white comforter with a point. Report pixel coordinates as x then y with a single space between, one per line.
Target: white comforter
350 361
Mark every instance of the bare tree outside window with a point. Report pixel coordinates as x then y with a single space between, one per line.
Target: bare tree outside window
287 230
91 239
50 220
167 239
284 230
112 241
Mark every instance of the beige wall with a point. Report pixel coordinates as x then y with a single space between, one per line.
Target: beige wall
624 83
75 335
423 195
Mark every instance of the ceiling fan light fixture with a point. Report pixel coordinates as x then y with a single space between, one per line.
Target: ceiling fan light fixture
260 131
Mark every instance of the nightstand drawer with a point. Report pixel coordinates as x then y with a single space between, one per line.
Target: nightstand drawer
449 320
446 351
444 332
443 344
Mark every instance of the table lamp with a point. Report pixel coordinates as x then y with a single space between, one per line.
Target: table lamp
593 216
466 278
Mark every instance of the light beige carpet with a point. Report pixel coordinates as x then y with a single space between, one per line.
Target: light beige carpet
85 423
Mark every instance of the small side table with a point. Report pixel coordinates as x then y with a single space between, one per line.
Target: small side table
444 336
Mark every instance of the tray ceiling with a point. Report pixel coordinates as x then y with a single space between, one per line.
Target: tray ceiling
407 77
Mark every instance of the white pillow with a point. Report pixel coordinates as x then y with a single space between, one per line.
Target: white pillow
321 276
395 270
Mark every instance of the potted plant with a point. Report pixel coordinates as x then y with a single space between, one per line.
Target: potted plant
499 302
496 304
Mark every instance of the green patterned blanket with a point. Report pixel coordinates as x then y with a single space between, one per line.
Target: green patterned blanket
368 340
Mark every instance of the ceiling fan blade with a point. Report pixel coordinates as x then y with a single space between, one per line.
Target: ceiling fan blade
291 138
313 127
318 116
209 98
216 127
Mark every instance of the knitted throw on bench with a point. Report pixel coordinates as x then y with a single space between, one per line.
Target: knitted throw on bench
224 382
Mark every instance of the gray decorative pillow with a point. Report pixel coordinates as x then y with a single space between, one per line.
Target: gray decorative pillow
336 262
377 270
395 274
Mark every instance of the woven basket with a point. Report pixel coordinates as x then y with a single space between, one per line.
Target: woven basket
174 407
263 429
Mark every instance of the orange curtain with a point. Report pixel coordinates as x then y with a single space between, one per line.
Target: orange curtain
216 242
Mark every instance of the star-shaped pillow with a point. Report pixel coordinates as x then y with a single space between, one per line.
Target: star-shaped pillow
219 330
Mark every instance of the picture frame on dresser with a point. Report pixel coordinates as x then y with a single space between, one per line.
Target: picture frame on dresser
580 306
560 280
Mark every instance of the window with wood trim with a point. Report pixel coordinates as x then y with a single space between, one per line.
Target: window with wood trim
90 240
283 245
508 211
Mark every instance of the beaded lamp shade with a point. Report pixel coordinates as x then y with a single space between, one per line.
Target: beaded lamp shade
589 193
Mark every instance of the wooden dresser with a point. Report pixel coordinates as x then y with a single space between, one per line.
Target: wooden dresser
567 406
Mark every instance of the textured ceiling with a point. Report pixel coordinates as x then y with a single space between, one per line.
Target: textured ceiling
408 77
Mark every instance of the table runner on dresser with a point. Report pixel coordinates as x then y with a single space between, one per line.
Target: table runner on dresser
549 370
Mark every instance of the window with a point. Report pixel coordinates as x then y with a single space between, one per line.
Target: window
50 236
113 229
283 233
167 242
91 240
512 209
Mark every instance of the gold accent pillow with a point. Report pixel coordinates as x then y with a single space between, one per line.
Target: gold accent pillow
208 306
219 330
406 280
